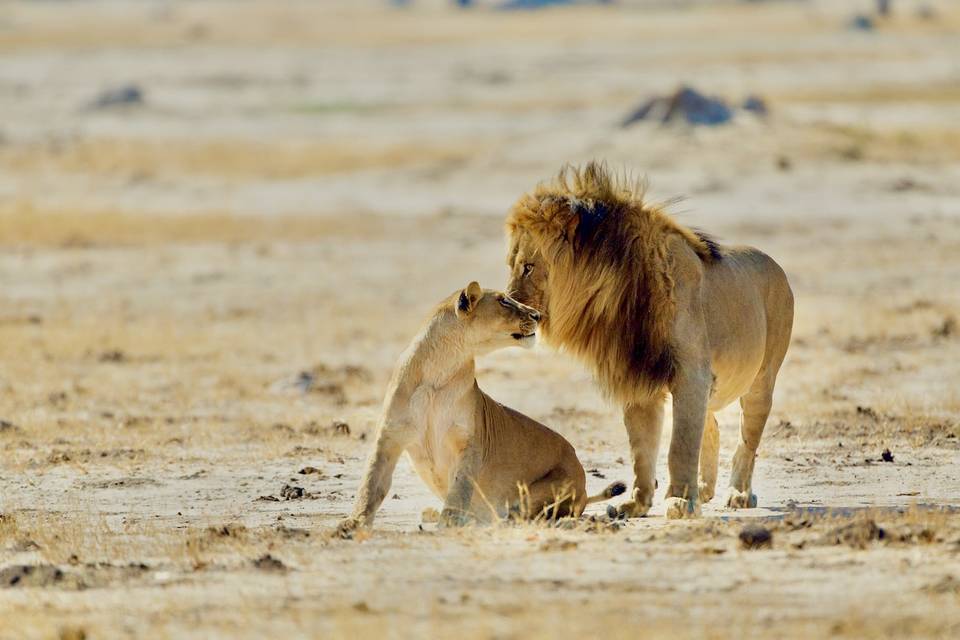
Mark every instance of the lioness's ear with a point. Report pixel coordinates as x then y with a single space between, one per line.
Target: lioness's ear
468 299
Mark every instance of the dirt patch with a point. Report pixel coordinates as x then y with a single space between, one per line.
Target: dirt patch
269 563
124 483
208 291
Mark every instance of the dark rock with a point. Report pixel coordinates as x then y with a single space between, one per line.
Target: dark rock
861 22
685 104
309 471
886 456
122 96
755 104
268 563
532 4
290 492
755 536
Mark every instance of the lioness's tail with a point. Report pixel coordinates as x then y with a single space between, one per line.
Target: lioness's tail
614 489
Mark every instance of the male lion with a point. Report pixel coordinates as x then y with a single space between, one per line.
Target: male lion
652 306
457 437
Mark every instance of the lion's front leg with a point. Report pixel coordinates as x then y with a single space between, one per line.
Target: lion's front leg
456 506
644 423
690 393
376 479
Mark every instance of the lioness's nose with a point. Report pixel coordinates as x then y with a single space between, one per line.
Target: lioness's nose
535 316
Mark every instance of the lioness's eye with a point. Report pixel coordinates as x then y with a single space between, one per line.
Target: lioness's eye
527 269
503 303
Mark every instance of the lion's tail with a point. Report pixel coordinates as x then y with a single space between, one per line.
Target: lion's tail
613 489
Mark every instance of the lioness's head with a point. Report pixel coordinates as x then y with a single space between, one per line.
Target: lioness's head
493 320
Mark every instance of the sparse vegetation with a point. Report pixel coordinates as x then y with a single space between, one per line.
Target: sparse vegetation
202 299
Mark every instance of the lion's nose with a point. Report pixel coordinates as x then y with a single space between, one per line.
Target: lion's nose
535 316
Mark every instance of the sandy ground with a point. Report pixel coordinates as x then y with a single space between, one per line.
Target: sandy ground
198 292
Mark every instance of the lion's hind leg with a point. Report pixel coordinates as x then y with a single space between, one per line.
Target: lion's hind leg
558 494
754 410
755 404
709 458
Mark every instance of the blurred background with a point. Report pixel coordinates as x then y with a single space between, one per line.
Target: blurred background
413 108
222 221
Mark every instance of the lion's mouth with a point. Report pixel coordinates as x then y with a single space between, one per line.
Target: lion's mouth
521 336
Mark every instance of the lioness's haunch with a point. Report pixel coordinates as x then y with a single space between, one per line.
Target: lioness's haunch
484 459
654 307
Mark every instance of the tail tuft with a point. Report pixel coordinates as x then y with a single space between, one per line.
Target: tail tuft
616 489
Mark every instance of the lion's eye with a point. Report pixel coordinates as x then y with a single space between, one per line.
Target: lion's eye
503 303
527 269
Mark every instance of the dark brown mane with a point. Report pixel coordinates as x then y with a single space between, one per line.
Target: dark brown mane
610 298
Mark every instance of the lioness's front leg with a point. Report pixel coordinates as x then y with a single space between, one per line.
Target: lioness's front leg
391 441
456 506
690 392
644 423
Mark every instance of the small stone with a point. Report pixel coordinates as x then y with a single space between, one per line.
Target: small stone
268 563
290 492
309 471
754 536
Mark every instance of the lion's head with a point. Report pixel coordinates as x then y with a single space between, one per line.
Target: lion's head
493 320
593 258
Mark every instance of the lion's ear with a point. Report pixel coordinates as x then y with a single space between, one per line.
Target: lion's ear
468 299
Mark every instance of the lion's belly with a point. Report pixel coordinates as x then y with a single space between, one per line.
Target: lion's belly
733 381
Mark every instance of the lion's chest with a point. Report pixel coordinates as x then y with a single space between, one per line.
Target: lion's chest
445 428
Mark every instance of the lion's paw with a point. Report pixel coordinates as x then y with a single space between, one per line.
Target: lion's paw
450 519
632 509
707 491
741 499
681 508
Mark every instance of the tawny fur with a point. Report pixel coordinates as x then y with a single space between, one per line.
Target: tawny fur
470 450
611 292
654 307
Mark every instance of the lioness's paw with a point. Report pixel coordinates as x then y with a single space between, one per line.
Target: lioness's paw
347 527
741 499
681 508
707 491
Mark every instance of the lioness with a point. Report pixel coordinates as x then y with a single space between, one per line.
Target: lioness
652 306
458 438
